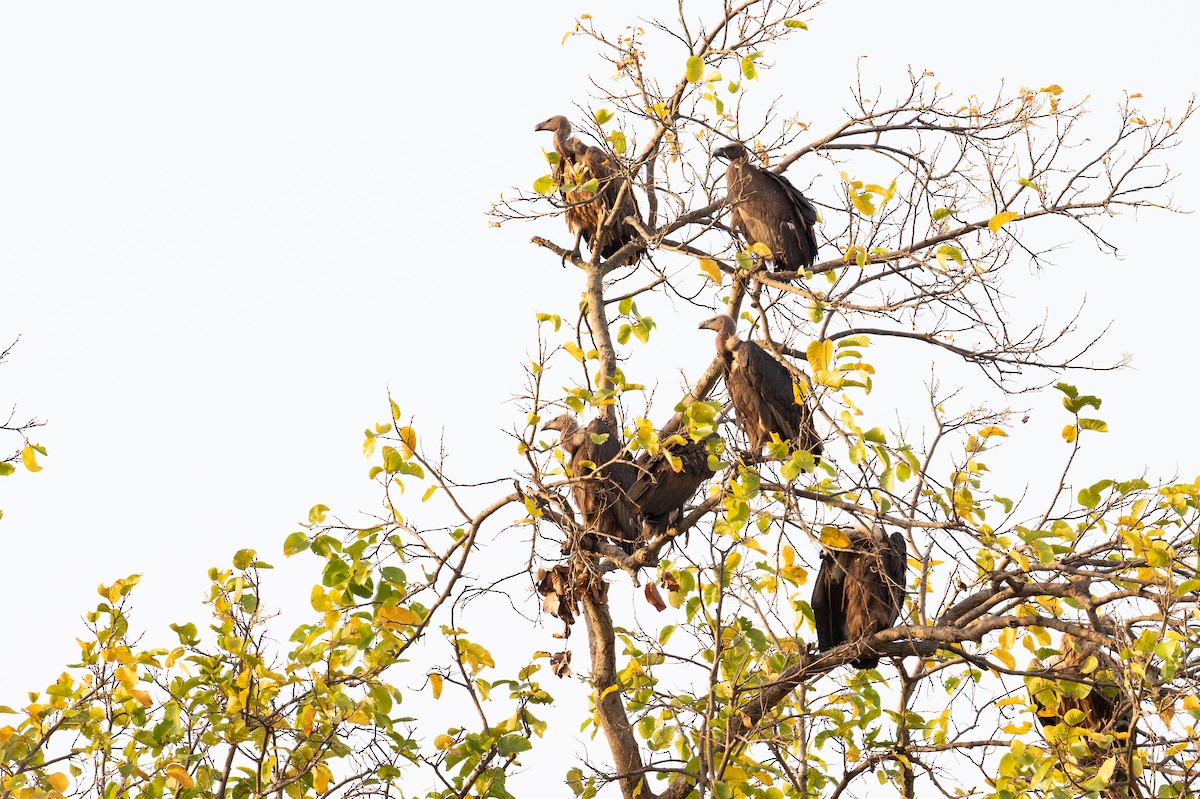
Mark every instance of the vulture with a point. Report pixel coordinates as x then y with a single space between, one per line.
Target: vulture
601 477
1086 679
767 208
587 211
859 590
659 491
762 392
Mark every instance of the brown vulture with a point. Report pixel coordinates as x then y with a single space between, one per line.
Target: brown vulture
762 391
859 590
1085 679
660 490
587 211
767 208
601 476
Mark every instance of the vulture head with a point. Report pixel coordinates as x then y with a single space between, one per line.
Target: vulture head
567 426
725 328
731 152
555 124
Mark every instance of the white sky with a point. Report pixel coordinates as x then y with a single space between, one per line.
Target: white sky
226 229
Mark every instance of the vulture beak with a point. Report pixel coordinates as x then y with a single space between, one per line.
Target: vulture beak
708 324
727 152
547 125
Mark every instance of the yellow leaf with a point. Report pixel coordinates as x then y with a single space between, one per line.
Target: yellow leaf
1053 88
180 775
1018 729
834 537
819 354
992 430
789 555
321 777
6 732
306 719
1069 433
435 682
59 781
1000 220
863 203
761 250
711 268
126 676
408 437
1191 703
443 742
1005 657
695 69
29 458
393 614
141 696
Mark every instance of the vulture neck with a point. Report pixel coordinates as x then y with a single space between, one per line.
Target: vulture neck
562 140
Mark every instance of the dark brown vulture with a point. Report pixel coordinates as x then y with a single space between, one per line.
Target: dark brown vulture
587 212
1085 679
859 590
601 477
660 491
767 208
762 392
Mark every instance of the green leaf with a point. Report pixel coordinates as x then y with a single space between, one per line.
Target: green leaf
316 514
695 69
794 23
591 187
513 744
545 185
1029 184
1093 424
617 140
392 461
948 251
875 436
942 213
748 68
243 558
6 469
602 116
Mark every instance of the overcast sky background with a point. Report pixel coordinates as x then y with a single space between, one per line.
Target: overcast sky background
227 229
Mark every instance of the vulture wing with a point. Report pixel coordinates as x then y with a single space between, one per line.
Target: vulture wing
604 478
799 231
600 165
895 564
827 604
772 383
659 492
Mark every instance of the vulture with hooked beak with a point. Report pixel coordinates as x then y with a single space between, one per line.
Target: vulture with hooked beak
859 590
590 214
601 477
660 491
1086 679
762 391
767 208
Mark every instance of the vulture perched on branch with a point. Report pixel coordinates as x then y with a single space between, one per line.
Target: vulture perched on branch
1084 689
601 477
660 490
597 212
767 208
762 391
859 589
